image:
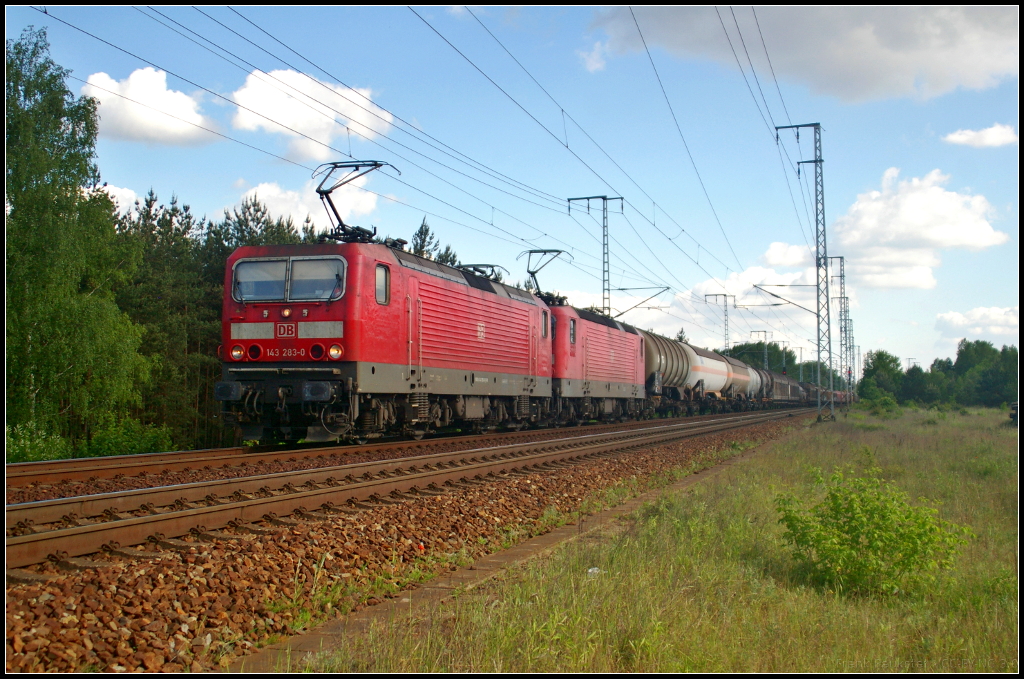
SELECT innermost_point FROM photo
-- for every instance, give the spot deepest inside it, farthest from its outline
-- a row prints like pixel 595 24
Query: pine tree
pixel 424 243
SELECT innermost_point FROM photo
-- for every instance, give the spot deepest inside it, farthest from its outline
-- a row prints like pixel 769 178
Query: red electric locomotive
pixel 598 366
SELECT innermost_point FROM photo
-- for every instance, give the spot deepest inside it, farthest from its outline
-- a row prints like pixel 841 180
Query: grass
pixel 704 582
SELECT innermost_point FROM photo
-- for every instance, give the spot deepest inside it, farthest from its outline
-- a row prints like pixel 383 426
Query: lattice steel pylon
pixel 726 314
pixel 821 264
pixel 606 286
pixel 844 326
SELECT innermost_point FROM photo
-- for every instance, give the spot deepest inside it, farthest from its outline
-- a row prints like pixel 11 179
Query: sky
pixel 491 118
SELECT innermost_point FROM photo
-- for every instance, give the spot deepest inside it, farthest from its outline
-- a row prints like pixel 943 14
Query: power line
pixel 753 71
pixel 770 128
pixel 580 127
pixel 417 132
pixel 685 145
pixel 555 137
pixel 493 207
pixel 772 68
pixel 389 198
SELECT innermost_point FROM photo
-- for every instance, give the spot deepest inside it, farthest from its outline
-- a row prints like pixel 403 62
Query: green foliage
pixel 681 335
pixel 126 436
pixel 425 244
pixel 447 256
pixel 71 352
pixel 885 370
pixel 865 536
pixel 29 442
pixel 885 407
pixel 981 375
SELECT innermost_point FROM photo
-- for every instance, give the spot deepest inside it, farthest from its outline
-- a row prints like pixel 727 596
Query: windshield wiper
pixel 238 289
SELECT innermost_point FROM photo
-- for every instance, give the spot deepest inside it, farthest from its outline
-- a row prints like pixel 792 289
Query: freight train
pixel 353 338
pixel 356 340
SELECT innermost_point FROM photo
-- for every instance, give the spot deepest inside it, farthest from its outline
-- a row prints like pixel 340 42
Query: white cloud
pixel 980 322
pixel 891 237
pixel 124 119
pixel 308 107
pixel 594 60
pixel 854 53
pixel 997 135
pixel 784 254
pixel 350 201
pixel 123 198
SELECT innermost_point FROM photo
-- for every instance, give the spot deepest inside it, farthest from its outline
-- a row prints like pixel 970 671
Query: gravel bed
pixel 200 610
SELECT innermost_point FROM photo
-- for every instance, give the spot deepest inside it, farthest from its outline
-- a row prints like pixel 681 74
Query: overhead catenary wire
pixel 575 122
pixel 539 231
pixel 389 198
pixel 516 237
pixel 323 85
pixel 548 130
pixel 416 131
pixel 681 136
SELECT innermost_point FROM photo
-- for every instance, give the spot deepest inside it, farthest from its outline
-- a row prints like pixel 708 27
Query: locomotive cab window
pixel 317 279
pixel 260 280
pixel 572 331
pixel 383 284
pixel 544 324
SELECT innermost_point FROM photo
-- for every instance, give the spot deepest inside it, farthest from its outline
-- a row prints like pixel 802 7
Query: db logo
pixel 480 331
pixel 284 330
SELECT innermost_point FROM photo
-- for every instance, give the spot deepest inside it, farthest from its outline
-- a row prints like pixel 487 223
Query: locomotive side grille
pixel 609 356
pixel 490 333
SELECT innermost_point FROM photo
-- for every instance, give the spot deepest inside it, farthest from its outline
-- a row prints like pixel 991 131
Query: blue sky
pixel 919 108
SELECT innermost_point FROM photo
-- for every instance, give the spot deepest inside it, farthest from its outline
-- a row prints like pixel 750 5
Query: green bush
pixel 31 443
pixel 865 536
pixel 127 436
pixel 886 407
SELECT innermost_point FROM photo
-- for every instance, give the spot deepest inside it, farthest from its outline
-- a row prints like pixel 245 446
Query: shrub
pixel 31 443
pixel 886 408
pixel 865 536
pixel 127 436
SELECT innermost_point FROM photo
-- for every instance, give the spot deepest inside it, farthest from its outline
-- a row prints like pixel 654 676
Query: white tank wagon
pixel 743 382
pixel 739 379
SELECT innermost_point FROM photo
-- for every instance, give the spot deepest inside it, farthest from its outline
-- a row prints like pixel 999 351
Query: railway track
pixel 86 469
pixel 62 529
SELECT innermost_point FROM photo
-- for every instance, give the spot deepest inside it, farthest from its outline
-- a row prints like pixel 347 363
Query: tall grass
pixel 704 581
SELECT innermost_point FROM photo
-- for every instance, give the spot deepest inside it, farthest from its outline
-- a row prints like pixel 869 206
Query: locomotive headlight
pixel 237 352
pixel 335 352
pixel 286 312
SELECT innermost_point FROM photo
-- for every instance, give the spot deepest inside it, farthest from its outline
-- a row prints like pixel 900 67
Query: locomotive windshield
pixel 297 279
pixel 317 279
pixel 260 280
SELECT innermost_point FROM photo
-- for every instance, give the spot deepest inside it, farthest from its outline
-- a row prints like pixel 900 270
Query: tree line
pixel 980 375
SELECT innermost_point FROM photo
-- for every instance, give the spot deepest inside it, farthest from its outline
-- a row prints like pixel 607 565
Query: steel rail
pixel 23 550
pixel 55 510
pixel 25 473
